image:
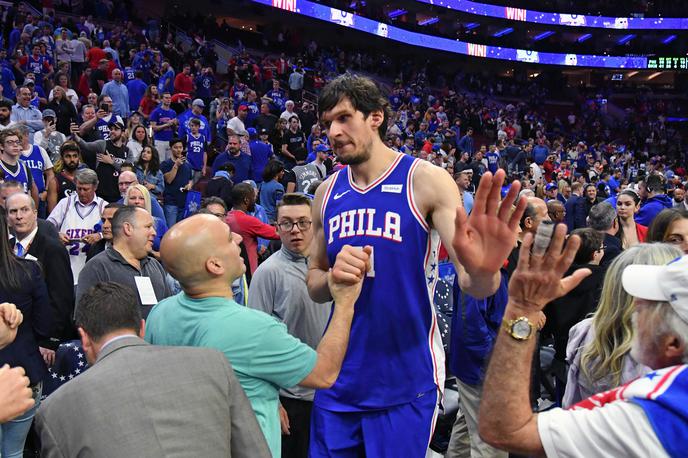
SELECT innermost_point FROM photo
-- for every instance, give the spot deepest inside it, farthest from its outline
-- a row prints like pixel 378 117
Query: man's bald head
pixel 536 211
pixel 125 180
pixel 201 252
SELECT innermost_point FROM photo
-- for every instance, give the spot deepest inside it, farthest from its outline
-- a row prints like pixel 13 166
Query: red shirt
pixel 183 83
pixel 250 228
pixel 94 56
pixel 641 232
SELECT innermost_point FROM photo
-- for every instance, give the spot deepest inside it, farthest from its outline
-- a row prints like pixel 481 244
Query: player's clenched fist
pixel 351 264
pixel 15 394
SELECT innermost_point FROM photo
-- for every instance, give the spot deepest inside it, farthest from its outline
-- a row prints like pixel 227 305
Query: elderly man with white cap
pixel 647 417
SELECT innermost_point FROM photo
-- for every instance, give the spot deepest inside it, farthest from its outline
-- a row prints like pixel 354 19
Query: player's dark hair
pixel 107 307
pixel 365 96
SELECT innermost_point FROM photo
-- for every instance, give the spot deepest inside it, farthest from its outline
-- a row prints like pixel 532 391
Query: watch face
pixel 521 329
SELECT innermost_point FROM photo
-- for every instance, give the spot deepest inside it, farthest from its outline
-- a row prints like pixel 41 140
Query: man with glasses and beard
pixel 109 155
pixel 62 185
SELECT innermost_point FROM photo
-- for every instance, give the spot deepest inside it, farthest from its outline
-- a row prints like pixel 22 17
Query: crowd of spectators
pixel 111 135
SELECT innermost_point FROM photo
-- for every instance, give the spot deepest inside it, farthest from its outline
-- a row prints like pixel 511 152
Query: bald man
pixel 125 180
pixel 264 356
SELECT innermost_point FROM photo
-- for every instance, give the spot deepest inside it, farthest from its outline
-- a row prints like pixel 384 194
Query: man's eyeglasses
pixel 287 226
pixel 13 142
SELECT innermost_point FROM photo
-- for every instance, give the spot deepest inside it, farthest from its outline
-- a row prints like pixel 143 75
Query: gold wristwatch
pixel 520 329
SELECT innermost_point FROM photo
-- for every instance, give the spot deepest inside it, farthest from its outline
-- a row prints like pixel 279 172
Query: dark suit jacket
pixel 31 298
pixel 145 401
pixel 613 248
pixel 57 273
pixel 575 212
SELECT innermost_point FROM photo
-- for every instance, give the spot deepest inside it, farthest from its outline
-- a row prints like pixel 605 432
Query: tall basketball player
pixel 381 218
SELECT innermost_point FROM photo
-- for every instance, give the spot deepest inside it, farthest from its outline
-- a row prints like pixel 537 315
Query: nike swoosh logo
pixel 337 196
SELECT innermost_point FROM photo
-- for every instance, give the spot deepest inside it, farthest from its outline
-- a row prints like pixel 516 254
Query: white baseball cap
pixel 667 283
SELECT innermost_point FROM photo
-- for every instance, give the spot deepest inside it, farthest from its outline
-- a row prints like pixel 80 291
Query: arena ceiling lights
pixel 563 19
pixel 350 20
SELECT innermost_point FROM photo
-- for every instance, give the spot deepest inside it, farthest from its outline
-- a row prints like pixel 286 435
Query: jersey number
pixel 75 248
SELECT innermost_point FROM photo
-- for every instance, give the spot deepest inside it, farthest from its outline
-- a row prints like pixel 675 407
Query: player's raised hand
pixel 483 240
pixel 351 264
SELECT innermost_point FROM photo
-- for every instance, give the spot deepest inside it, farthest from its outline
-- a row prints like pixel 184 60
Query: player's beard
pixel 359 156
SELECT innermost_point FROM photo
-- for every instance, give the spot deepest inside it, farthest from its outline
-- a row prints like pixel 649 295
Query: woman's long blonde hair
pixel 612 324
pixel 146 195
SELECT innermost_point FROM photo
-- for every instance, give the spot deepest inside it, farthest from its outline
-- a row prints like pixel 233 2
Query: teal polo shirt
pixel 264 356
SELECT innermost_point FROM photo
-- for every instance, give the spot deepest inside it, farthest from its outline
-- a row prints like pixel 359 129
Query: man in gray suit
pixel 143 400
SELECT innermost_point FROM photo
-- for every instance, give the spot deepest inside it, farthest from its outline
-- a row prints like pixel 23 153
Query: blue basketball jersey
pixel 20 175
pixel 103 129
pixel 35 163
pixel 195 147
pixel 395 351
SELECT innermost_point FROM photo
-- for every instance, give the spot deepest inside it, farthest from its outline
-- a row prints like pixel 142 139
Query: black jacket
pixel 612 249
pixel 57 274
pixel 32 300
pixel 572 308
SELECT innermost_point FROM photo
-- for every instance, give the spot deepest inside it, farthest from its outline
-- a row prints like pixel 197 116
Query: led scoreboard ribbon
pixel 381 29
pixel 564 19
pixel 668 63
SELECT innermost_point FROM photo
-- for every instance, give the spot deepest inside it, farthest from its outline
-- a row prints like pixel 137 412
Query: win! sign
pixel 477 50
pixel 515 14
pixel 289 5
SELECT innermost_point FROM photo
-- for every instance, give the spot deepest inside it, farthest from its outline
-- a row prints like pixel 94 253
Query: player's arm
pixel 332 348
pixel 318 265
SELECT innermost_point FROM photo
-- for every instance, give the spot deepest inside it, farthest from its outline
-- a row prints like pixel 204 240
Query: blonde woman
pixel 138 196
pixel 598 351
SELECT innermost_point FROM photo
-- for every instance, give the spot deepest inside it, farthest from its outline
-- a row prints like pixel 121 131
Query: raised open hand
pixel 538 279
pixel 483 240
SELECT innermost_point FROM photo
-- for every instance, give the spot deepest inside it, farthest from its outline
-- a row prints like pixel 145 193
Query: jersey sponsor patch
pixel 395 188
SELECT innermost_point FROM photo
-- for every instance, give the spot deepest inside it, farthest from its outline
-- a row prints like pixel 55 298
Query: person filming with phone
pixel 178 176
pixel 109 156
